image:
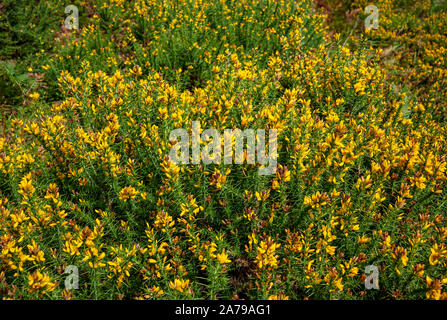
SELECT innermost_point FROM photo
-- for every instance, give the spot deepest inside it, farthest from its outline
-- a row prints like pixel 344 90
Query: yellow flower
pixel 266 254
pixel 330 250
pixel 128 193
pixel 34 95
pixel 404 259
pixel 39 282
pixel 280 296
pixel 26 186
pixel 179 284
pixel 223 257
pixel 363 239
pixel 338 283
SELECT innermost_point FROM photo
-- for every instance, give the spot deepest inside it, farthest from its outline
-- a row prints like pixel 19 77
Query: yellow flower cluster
pixel 86 180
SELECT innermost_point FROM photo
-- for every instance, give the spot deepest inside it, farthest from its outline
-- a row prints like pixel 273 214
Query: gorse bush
pixel 86 179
